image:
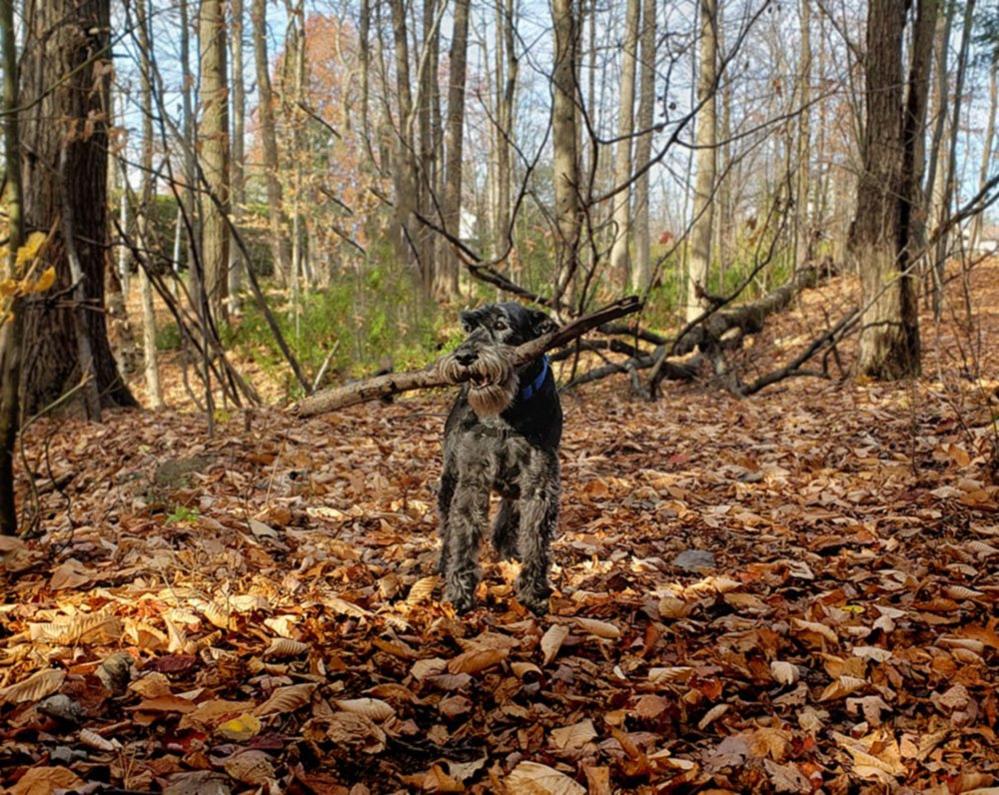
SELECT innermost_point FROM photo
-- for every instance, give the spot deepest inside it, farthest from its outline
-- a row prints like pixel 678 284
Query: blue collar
pixel 534 387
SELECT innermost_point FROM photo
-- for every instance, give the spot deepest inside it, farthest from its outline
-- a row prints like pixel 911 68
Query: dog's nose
pixel 465 358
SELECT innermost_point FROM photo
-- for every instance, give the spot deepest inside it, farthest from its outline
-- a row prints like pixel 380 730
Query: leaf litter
pixel 790 593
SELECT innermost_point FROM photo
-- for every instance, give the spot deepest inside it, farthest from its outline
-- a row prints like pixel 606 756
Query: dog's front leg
pixel 466 521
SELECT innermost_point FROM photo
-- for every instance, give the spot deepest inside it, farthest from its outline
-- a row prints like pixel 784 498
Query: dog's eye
pixel 500 325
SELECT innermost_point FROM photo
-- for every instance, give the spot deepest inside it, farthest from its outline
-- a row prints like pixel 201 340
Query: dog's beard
pixel 492 381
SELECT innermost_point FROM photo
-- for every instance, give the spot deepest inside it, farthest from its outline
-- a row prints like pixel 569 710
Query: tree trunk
pixel 700 235
pixel 148 201
pixel 950 165
pixel 935 172
pixel 620 261
pixel 565 144
pixel 213 135
pixel 406 180
pixel 11 331
pixel 446 280
pixel 65 92
pixel 803 226
pixel 238 173
pixel 889 337
pixel 987 145
pixel 507 67
pixel 268 139
pixel 642 271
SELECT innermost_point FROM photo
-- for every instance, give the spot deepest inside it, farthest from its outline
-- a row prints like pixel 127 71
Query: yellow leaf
pixel 239 729
pixel 29 250
pixel 8 287
pixel 45 281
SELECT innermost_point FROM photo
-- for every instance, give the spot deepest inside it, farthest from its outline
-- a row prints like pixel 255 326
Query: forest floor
pixel 791 593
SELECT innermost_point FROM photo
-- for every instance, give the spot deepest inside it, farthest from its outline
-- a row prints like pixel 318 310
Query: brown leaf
pixel 45 781
pixel 36 687
pixel 373 708
pixel 533 778
pixel 575 736
pixel 286 699
pixel 250 767
pixel 471 662
pixel 552 641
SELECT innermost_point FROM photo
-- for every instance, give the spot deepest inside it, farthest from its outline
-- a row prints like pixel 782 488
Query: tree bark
pixel 213 135
pixel 148 200
pixel 565 144
pixel 238 172
pixel 889 337
pixel 65 78
pixel 11 331
pixel 987 146
pixel 280 247
pixel 642 271
pixel 405 171
pixel 700 234
pixel 446 278
pixel 620 260
pixel 507 68
pixel 803 226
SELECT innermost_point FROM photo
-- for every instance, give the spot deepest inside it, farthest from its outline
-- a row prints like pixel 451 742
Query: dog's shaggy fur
pixel 502 435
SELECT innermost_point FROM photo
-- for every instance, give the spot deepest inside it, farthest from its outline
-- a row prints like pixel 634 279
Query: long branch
pixel 428 378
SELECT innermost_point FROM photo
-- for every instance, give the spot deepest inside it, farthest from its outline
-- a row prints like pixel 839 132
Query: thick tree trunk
pixel 889 337
pixel 268 139
pixel 700 234
pixel 507 68
pixel 642 271
pixel 65 92
pixel 148 200
pixel 938 118
pixel 213 135
pixel 565 144
pixel 446 278
pixel 620 260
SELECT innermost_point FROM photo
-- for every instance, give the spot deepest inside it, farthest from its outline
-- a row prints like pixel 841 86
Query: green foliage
pixel 182 515
pixel 368 321
pixel 168 337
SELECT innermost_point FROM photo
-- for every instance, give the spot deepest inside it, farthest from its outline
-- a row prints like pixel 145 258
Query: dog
pixel 502 435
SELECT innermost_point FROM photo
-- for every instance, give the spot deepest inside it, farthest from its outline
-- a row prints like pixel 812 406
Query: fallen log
pixel 394 383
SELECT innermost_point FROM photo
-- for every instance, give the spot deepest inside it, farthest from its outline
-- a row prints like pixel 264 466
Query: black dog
pixel 502 435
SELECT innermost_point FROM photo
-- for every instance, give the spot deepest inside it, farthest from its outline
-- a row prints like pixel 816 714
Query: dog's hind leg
pixel 505 529
pixel 538 520
pixel 467 518
pixel 444 496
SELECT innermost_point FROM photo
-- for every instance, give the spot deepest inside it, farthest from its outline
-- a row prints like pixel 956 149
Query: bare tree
pixel 446 277
pixel 707 136
pixel 643 146
pixel 565 143
pixel 238 164
pixel 268 141
pixel 213 134
pixel 147 210
pixel 620 260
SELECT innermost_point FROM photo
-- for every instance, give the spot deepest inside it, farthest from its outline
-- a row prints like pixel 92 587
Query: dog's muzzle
pixel 492 379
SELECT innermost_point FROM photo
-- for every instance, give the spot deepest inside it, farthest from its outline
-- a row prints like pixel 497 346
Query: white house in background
pixel 988 240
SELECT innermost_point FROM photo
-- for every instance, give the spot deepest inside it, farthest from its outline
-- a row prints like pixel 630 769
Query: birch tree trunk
pixel 700 235
pixel 148 199
pixel 620 260
pixel 446 278
pixel 213 136
pixel 642 271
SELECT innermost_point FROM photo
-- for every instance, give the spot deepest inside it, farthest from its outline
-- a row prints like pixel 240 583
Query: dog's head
pixel 483 359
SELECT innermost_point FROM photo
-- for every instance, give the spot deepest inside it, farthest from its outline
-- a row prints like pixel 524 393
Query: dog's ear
pixel 470 320
pixel 541 323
